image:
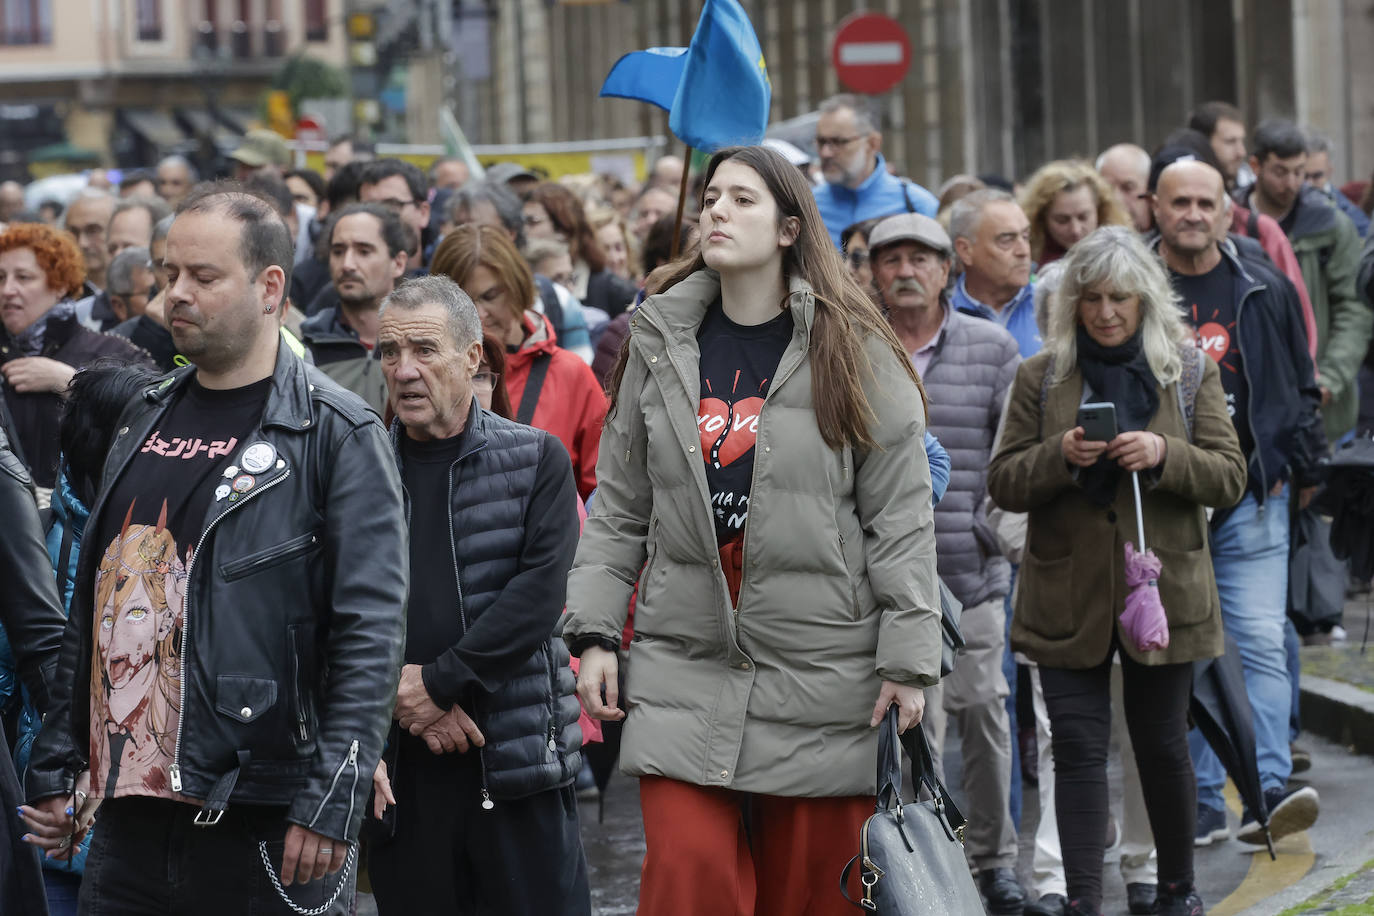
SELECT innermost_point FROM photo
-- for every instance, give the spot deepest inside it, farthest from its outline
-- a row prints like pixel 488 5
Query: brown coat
pixel 1072 583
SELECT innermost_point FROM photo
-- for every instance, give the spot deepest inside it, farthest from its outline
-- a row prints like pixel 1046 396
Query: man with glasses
pixel 143 315
pixel 857 184
pixel 403 189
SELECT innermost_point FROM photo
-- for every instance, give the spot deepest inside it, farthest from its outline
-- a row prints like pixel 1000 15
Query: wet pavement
pixel 1232 877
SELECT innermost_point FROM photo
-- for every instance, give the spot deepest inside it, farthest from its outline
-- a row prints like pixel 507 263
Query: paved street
pixel 1231 876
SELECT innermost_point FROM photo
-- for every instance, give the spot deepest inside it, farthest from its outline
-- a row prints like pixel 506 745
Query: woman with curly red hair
pixel 44 343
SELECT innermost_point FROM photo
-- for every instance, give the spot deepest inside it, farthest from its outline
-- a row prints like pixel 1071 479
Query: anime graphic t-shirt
pixel 149 529
pixel 737 366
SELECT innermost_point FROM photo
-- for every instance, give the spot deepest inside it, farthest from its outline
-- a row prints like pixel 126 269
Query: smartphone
pixel 1098 421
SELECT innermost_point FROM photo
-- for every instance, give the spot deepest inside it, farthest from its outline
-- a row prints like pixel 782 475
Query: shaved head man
pixel 1126 167
pixel 1272 398
pixel 11 200
pixel 175 175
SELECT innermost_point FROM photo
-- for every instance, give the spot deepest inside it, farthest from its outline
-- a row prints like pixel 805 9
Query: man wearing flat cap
pixel 967 364
pixel 262 152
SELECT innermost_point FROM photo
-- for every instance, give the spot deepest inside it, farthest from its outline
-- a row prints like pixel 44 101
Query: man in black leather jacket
pixel 482 763
pixel 32 618
pixel 228 670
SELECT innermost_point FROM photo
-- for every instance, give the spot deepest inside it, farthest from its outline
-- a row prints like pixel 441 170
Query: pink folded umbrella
pixel 1144 619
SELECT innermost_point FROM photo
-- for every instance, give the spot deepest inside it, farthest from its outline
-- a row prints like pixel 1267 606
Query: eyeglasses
pixel 857 258
pixel 836 142
pixel 392 203
pixel 485 380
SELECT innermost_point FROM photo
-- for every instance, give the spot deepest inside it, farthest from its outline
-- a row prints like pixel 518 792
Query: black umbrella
pixel 1220 708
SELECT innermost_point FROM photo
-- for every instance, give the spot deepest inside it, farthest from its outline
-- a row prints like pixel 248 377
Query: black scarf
pixel 1122 376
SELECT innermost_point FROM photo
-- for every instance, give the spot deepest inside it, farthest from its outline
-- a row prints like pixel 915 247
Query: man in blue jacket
pixel 857 185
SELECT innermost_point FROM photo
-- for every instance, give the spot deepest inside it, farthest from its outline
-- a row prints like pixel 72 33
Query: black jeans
pixel 449 856
pixel 1156 703
pixel 147 857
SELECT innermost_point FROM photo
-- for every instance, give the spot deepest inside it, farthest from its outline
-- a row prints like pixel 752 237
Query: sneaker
pixel 1290 811
pixel 1211 826
pixel 1079 908
pixel 1177 898
pixel 1142 898
pixel 586 784
pixel 1301 757
pixel 1002 891
pixel 1048 905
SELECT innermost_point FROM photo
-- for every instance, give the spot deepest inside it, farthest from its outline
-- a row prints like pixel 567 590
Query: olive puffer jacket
pixel 839 585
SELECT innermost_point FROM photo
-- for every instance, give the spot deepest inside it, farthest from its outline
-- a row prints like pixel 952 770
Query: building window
pixel 25 22
pixel 316 20
pixel 149 19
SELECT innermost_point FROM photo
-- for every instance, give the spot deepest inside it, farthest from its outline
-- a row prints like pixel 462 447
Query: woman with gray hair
pixel 1116 335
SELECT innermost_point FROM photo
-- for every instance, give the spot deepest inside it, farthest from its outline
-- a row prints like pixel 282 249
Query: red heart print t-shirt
pixel 738 363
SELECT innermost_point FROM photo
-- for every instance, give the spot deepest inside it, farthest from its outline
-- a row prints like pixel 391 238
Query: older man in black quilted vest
pixel 967 364
pixel 480 766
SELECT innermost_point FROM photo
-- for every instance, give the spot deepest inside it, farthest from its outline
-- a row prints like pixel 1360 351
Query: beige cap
pixel 911 227
pixel 262 147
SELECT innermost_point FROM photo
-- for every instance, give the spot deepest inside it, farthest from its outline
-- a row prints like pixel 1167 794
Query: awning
pixel 200 122
pixel 240 119
pixel 155 126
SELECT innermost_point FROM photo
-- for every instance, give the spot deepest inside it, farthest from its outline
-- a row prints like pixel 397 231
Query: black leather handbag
pixel 911 857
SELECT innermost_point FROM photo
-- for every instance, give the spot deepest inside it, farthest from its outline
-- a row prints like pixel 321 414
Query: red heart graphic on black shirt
pixel 727 431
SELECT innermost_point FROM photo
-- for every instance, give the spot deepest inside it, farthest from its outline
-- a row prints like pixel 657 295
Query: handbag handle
pixel 890 745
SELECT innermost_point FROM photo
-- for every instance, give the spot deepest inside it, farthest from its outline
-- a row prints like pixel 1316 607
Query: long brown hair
pixel 471 246
pixel 570 218
pixel 494 355
pixel 845 315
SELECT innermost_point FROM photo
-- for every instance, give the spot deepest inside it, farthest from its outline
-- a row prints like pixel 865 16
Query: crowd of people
pixel 415 500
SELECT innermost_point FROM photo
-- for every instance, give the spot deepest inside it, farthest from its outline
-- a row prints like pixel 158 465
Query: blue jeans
pixel 1250 557
pixel 1290 644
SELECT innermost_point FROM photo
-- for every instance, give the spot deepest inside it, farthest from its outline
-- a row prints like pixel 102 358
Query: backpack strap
pixel 1188 383
pixel 553 309
pixel 906 195
pixel 529 398
pixel 1045 392
pixel 1252 224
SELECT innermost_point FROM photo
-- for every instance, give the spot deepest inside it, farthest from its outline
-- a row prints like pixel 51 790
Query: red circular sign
pixel 871 52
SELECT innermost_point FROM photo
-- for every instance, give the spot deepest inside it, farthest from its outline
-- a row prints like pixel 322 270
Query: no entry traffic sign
pixel 871 52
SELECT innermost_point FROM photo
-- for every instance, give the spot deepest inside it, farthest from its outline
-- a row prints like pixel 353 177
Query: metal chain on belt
pixel 333 898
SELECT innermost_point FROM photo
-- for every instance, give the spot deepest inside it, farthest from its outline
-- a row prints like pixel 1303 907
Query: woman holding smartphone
pixel 1117 336
pixel 759 383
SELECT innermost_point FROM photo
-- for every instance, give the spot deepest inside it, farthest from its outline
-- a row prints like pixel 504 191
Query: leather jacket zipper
pixel 351 760
pixel 174 771
pixel 300 688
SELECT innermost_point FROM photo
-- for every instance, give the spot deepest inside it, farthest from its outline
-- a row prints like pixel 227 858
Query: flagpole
pixel 681 203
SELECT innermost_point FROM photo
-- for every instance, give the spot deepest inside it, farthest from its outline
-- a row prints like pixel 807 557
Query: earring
pixel 268 310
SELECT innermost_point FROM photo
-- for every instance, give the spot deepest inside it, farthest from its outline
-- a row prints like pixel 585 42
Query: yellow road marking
pixel 1265 877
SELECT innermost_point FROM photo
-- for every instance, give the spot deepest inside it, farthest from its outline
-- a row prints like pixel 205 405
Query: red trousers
pixel 700 860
